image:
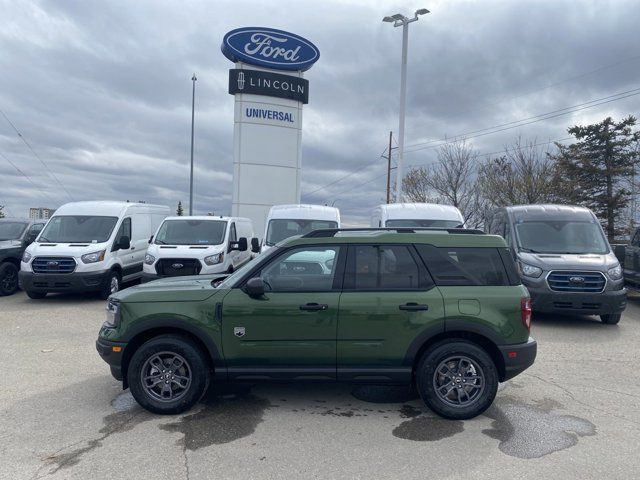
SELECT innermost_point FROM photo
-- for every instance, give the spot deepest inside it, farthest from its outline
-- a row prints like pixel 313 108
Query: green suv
pixel 442 308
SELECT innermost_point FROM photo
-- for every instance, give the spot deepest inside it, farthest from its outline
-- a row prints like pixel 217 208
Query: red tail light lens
pixel 526 312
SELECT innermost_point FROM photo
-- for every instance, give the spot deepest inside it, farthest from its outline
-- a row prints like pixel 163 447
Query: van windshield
pixel 423 223
pixel 11 230
pixel 78 229
pixel 281 229
pixel 560 236
pixel 191 232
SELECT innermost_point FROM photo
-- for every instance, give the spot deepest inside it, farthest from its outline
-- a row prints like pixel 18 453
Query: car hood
pixel 75 250
pixel 4 244
pixel 174 289
pixel 552 261
pixel 185 251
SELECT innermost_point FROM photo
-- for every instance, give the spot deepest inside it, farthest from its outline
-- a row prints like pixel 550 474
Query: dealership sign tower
pixel 270 91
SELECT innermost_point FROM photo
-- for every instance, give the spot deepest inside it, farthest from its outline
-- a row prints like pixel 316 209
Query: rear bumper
pixel 607 302
pixel 63 282
pixel 517 358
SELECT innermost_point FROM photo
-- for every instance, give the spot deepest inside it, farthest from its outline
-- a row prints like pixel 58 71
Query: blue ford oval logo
pixel 177 266
pixel 271 48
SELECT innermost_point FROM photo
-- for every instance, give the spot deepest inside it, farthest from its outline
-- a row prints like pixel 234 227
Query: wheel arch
pixel 166 327
pixel 415 354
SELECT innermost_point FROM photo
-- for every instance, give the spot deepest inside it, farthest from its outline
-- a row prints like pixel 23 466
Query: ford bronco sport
pixel 442 308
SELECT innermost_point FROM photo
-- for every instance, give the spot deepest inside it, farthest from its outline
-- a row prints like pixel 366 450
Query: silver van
pixel 564 259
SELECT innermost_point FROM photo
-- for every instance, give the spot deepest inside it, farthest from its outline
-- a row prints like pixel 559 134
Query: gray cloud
pixel 102 92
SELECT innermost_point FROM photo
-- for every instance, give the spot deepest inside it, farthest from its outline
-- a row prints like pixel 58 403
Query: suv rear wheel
pixel 168 374
pixel 8 279
pixel 457 379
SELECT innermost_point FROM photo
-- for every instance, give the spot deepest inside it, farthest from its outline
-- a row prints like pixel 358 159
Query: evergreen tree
pixel 597 169
pixel 180 211
pixel 1 211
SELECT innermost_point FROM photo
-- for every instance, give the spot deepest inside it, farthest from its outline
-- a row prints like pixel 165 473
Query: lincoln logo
pixel 576 280
pixel 177 266
pixel 241 81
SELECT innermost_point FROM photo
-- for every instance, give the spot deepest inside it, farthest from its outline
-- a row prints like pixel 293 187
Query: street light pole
pixel 193 103
pixel 400 20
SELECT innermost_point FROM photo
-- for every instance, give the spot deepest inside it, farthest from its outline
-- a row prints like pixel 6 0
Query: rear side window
pixel 451 266
pixel 383 267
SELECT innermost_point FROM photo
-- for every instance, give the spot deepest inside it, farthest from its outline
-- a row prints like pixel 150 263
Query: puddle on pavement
pixel 424 428
pixel 226 416
pixel 533 431
pixel 384 394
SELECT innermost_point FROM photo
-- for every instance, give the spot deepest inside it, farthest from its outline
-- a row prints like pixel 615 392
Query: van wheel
pixel 168 374
pixel 36 295
pixel 611 319
pixel 112 285
pixel 457 379
pixel 8 279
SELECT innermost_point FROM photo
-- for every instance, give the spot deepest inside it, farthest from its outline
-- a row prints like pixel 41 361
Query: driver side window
pixel 304 269
pixel 124 230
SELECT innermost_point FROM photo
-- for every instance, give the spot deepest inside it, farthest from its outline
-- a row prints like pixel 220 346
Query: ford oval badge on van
pixel 270 48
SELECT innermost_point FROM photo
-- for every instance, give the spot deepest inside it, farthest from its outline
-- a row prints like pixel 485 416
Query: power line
pixel 565 110
pixel 555 84
pixel 549 117
pixel 35 154
pixel 26 176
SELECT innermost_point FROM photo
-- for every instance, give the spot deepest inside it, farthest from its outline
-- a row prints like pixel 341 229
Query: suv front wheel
pixel 457 379
pixel 168 374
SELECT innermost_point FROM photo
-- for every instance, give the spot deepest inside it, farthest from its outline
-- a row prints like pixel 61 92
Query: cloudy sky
pixel 101 90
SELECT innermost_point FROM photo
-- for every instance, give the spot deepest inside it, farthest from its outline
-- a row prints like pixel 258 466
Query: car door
pixel 388 302
pixel 289 332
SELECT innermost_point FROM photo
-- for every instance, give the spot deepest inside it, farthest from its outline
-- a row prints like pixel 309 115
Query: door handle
pixel 133 247
pixel 413 307
pixel 312 307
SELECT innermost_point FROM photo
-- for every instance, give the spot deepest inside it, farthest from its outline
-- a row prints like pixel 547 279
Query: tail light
pixel 526 312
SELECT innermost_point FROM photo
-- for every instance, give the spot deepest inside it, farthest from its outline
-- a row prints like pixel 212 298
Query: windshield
pixel 78 229
pixel 232 279
pixel 424 223
pixel 191 232
pixel 561 237
pixel 12 230
pixel 282 229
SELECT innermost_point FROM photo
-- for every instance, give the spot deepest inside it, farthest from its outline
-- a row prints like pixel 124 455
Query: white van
pixel 90 246
pixel 286 221
pixel 416 215
pixel 198 245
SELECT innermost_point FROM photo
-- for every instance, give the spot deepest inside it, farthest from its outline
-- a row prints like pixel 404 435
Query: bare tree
pixel 524 174
pixel 451 180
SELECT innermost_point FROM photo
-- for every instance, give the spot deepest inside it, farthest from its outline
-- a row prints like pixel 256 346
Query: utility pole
pixel 389 169
pixel 193 103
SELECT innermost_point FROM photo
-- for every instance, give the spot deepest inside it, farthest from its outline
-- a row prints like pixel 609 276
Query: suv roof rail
pixel 331 232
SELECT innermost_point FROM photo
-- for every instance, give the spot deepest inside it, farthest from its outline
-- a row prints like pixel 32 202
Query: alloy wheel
pixel 458 381
pixel 166 376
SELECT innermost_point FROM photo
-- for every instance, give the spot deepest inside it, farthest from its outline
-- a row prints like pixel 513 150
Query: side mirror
pixel 29 239
pixel 254 287
pixel 124 243
pixel 255 245
pixel 150 239
pixel 240 245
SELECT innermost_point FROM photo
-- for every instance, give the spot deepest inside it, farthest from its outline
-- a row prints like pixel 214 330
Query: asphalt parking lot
pixel 574 414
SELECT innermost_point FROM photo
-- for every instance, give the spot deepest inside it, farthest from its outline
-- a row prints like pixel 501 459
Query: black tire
pixel 36 295
pixel 230 269
pixel 479 388
pixel 165 347
pixel 611 319
pixel 8 279
pixel 108 287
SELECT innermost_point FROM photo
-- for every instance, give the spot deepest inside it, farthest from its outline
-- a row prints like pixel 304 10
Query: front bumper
pixel 111 352
pixel 605 303
pixel 63 282
pixel 517 358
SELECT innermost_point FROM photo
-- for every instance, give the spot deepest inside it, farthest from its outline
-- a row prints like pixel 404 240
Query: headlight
pixel 113 313
pixel 530 270
pixel 214 259
pixel 26 257
pixel 93 257
pixel 615 273
pixel 149 259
